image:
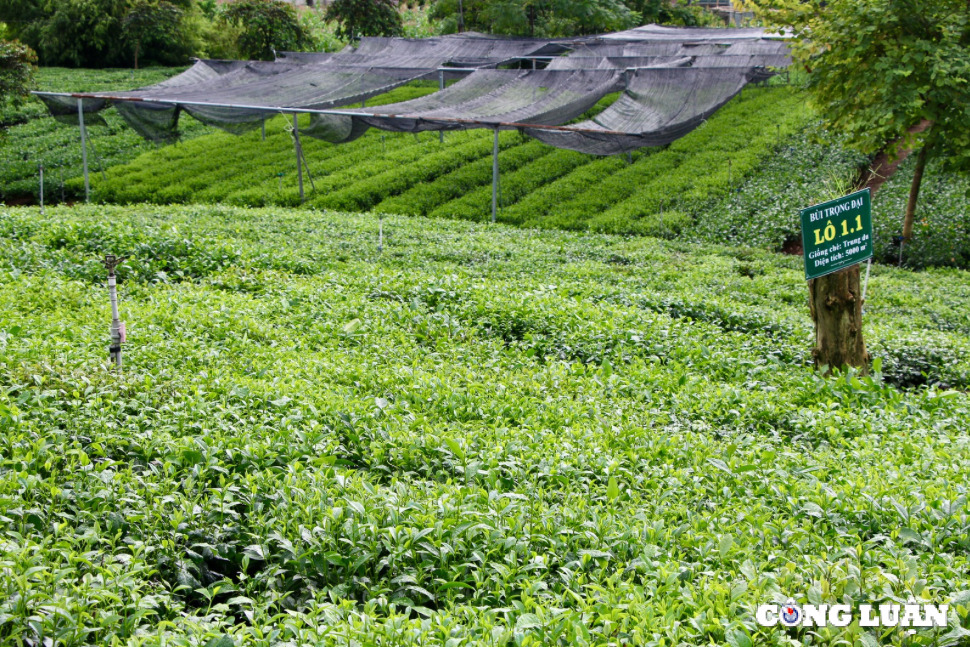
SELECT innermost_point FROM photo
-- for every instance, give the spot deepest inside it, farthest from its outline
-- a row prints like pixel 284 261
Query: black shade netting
pixel 457 50
pixel 626 49
pixel 659 106
pixel 663 33
pixel 64 109
pixel 616 62
pixel 238 96
pixel 490 98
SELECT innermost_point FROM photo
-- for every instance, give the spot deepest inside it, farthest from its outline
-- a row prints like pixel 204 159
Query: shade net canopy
pixel 673 49
pixel 238 95
pixel 672 79
pixel 485 99
pixel 658 106
pixel 663 33
pixel 457 50
pixel 616 62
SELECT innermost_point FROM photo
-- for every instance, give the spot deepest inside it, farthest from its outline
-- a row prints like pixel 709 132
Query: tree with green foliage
pixel 542 18
pixel 17 64
pixel 881 68
pixel 885 74
pixel 93 33
pixel 356 18
pixel 265 26
pixel 151 20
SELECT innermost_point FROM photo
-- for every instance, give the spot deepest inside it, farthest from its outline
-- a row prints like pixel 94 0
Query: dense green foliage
pixel 560 17
pixel 891 74
pixel 942 228
pixel 356 18
pixel 264 27
pixel 149 21
pixel 764 210
pixel 880 67
pixel 16 72
pixel 92 33
pixel 485 435
pixel 35 138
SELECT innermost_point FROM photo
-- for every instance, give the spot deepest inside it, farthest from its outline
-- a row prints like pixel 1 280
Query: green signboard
pixel 837 234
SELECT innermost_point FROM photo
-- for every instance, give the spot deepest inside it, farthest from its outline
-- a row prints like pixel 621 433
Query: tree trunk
pixel 835 301
pixel 910 216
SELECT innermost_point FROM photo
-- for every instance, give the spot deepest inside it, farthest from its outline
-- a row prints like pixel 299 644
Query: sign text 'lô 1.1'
pixel 837 234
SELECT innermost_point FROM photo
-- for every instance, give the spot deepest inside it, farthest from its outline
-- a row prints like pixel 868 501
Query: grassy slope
pixel 33 137
pixel 523 437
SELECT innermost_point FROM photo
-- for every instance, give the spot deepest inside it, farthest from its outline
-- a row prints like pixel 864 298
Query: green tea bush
pixel 481 435
pixel 34 138
pixel 764 210
pixel 941 236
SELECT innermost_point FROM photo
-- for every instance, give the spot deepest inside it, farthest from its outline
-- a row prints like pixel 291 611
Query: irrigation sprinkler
pixel 383 146
pixel 117 326
pixel 280 176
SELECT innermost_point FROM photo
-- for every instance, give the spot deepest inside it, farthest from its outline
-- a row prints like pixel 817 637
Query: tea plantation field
pixel 482 435
pixel 31 137
pixel 659 193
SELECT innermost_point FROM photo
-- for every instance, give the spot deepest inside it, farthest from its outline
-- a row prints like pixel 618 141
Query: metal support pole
pixel 84 149
pixel 117 326
pixel 495 175
pixel 42 189
pixel 441 86
pixel 380 234
pixel 264 130
pixel 306 167
pixel 299 155
pixel 865 285
pixel 629 157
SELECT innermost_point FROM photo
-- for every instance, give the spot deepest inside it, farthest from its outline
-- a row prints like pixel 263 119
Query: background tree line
pixel 132 33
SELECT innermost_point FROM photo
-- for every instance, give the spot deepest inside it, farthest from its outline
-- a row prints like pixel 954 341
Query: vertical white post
pixel 495 175
pixel 42 189
pixel 299 156
pixel 117 327
pixel 84 149
pixel 441 86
